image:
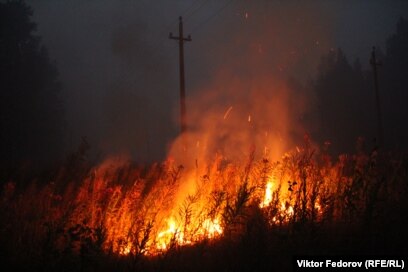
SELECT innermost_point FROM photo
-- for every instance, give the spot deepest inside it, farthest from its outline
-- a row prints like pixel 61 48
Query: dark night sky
pixel 120 71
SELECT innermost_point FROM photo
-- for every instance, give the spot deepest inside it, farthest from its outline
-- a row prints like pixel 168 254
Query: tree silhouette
pixel 31 112
pixel 393 83
pixel 344 102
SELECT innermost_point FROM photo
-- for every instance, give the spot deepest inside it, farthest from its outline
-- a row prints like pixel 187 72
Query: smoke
pixel 115 79
pixel 249 103
pixel 120 71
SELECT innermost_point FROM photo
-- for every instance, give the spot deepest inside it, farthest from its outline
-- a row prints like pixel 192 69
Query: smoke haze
pixel 120 71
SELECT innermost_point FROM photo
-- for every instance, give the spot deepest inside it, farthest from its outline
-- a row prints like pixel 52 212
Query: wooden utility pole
pixel 181 40
pixel 375 63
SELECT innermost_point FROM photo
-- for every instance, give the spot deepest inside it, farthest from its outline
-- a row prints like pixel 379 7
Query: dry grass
pixel 120 215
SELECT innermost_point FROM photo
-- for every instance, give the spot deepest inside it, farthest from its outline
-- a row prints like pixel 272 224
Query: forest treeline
pixel 346 105
pixel 31 109
pixel 32 120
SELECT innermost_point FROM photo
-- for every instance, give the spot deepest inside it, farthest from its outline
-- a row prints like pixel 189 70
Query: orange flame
pixel 268 195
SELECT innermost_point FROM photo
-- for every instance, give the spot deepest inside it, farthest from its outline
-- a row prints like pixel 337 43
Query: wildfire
pixel 165 237
pixel 171 206
pixel 174 235
pixel 268 195
pixel 178 210
pixel 126 249
pixel 212 228
pixel 166 208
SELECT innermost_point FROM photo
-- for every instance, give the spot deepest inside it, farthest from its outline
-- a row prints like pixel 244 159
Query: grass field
pixel 222 216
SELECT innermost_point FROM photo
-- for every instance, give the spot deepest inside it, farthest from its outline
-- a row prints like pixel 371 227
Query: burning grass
pixel 123 211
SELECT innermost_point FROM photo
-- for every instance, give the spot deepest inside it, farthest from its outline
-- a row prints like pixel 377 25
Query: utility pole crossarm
pixel 188 39
pixel 181 39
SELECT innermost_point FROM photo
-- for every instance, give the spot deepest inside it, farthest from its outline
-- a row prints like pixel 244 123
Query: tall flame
pixel 268 195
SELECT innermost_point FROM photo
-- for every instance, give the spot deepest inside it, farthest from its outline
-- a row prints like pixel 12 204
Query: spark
pixel 227 112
